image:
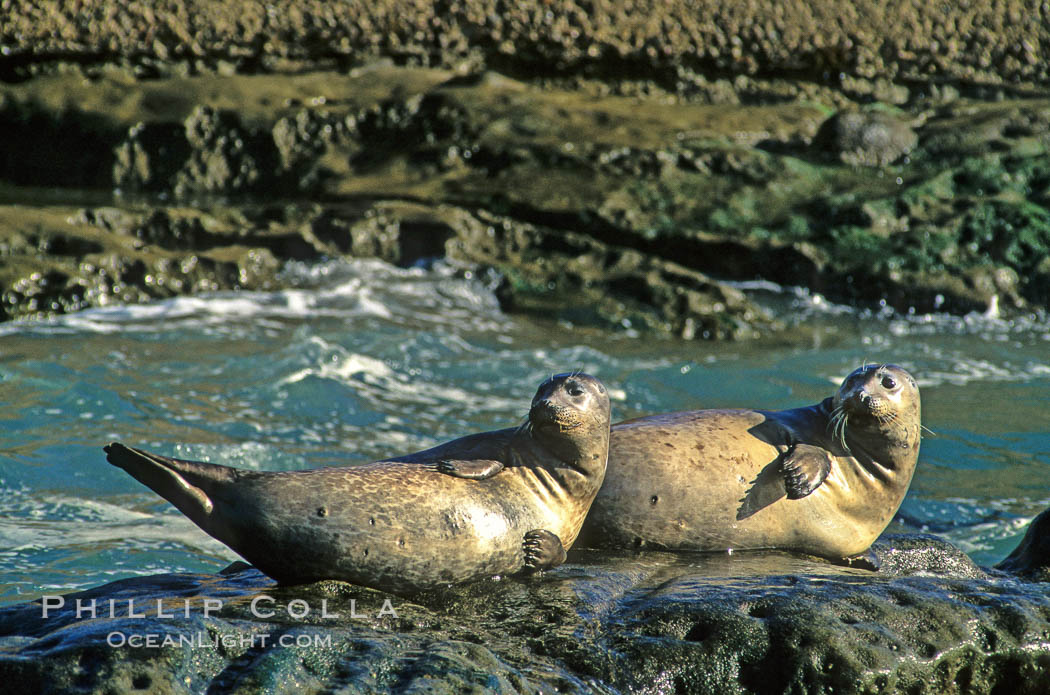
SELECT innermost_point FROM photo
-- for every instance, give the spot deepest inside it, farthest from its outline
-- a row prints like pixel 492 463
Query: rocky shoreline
pixel 930 621
pixel 618 168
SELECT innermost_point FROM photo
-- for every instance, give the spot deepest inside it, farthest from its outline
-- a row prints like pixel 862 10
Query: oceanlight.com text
pixel 201 638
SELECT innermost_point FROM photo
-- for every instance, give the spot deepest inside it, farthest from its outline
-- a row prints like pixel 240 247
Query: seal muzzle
pixel 544 412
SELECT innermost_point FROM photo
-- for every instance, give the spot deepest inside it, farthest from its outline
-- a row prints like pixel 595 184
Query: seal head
pixel 875 416
pixel 567 417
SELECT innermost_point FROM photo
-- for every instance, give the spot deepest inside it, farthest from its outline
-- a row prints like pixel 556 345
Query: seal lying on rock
pixel 825 479
pixel 487 504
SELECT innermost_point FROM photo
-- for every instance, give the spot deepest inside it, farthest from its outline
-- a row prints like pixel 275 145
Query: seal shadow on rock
pixel 823 479
pixel 494 503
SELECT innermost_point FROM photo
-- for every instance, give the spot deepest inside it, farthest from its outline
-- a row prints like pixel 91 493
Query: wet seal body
pixel 824 479
pixel 487 504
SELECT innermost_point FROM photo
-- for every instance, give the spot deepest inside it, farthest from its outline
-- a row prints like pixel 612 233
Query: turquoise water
pixel 362 361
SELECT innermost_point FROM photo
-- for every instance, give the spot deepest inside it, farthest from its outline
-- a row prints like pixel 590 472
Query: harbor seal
pixel 495 503
pixel 824 479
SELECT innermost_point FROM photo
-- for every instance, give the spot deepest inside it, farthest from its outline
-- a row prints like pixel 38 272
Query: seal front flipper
pixel 805 467
pixel 543 551
pixel 471 470
pixel 796 473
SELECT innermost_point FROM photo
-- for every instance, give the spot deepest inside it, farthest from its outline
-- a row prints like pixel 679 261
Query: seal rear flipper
pixel 805 467
pixel 183 483
pixel 478 469
pixel 543 551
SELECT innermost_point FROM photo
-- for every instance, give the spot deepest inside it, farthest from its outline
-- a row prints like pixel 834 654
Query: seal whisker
pixel 525 428
pixel 832 417
pixel 839 420
pixel 891 419
pixel 883 418
pixel 833 422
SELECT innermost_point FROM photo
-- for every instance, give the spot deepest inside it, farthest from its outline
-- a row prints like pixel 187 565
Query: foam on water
pixel 54 542
pixel 986 529
pixel 334 289
pixel 51 535
pixel 341 366
pixel 799 305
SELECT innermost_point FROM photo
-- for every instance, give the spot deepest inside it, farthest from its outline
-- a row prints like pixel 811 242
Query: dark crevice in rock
pixel 47 148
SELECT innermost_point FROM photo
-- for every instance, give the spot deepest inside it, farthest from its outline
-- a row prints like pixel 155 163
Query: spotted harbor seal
pixel 825 479
pixel 487 504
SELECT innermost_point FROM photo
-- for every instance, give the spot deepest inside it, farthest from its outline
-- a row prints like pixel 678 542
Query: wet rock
pixel 572 277
pixel 867 138
pixel 182 233
pixel 55 147
pixel 406 234
pixel 102 256
pixel 1031 559
pixel 639 208
pixel 608 622
pixel 309 141
pixel 224 156
pixel 212 151
pixel 150 157
pixel 923 554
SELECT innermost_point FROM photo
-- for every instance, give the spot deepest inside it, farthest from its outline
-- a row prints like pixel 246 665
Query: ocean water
pixel 361 361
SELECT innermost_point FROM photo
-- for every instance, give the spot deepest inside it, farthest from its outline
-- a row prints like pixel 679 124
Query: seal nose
pixel 858 400
pixel 542 411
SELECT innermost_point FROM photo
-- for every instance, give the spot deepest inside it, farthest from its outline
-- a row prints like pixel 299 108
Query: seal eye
pixel 573 388
pixel 888 382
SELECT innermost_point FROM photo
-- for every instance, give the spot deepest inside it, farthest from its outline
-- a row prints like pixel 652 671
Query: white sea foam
pixel 250 455
pixel 48 535
pixel 341 365
pixel 799 304
pixel 66 507
pixel 983 537
pixel 374 379
pixel 336 289
pixel 962 370
pixel 51 522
